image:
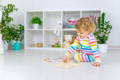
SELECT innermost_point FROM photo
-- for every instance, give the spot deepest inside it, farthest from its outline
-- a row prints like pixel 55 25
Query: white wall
pixel 109 6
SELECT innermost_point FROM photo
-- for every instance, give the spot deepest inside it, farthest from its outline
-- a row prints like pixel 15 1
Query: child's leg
pixel 83 58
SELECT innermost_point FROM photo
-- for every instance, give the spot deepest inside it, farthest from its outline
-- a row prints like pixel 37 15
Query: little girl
pixel 84 42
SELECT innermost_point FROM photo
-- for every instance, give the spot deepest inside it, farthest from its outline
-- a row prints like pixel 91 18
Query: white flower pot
pixel 103 48
pixel 35 26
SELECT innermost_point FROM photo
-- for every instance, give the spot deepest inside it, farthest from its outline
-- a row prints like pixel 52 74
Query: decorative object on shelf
pixel 57 40
pixel 39 44
pixel 36 21
pixel 57 31
pixel 59 23
pixel 57 43
pixel 68 37
pixel 70 23
pixel 32 45
pixel 67 41
pixel 102 33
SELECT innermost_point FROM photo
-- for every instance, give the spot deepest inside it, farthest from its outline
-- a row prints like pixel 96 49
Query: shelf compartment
pixel 70 15
pixel 35 39
pixel 67 37
pixel 52 20
pixel 67 33
pixel 50 39
pixel 30 15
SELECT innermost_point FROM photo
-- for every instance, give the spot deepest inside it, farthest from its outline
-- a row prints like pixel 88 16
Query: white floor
pixel 27 65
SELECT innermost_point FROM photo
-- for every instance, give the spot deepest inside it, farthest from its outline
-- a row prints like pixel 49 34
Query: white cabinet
pixel 53 28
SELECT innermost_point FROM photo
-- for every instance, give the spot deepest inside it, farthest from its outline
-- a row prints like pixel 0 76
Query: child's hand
pixel 65 59
pixel 96 64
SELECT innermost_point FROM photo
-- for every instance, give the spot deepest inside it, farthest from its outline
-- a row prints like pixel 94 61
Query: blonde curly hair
pixel 86 24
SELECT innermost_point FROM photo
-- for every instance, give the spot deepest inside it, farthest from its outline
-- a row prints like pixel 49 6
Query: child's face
pixel 82 33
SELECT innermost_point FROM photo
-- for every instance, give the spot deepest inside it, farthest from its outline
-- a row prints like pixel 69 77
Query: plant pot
pixel 16 45
pixel 35 26
pixel 103 48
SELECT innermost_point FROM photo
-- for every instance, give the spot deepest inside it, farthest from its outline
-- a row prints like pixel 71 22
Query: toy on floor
pixel 47 60
pixel 69 65
pixel 57 62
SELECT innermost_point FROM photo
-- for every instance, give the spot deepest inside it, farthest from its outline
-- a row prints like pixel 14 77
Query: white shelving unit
pixel 45 36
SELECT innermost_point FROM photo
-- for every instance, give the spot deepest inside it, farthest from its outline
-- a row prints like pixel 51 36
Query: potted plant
pixel 5 22
pixel 36 22
pixel 6 33
pixel 102 33
pixel 17 36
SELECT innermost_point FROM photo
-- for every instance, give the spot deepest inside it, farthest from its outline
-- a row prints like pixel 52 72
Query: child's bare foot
pixel 96 64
